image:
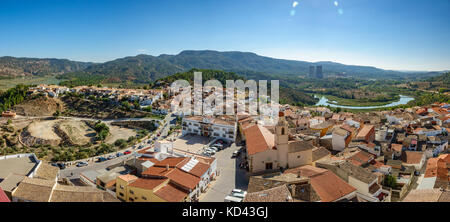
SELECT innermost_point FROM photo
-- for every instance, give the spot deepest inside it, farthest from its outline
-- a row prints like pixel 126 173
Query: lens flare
pixel 341 11
pixel 294 4
pixel 292 12
pixel 336 3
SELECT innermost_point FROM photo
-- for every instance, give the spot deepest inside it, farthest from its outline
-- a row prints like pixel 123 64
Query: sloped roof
pixel 365 131
pixel 33 189
pixel 427 195
pixel 64 193
pixel 412 157
pixel 258 139
pixel 148 184
pixel 171 193
pixel 47 172
pixel 184 179
pixel 276 194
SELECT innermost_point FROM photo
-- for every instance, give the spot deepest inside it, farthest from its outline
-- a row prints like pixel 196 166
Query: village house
pixel 223 127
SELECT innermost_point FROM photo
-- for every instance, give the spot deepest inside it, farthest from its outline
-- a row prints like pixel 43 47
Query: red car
pixel 127 152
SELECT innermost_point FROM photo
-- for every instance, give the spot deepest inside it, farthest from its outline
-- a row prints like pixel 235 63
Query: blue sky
pixel 390 34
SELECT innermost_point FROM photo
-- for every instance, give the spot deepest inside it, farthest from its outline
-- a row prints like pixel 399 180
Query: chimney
pixel 167 167
pixel 299 174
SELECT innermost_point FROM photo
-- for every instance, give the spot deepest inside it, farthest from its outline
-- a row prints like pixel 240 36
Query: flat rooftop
pixel 21 166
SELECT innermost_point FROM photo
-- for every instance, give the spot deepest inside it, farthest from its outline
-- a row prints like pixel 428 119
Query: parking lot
pixel 230 176
pixel 191 144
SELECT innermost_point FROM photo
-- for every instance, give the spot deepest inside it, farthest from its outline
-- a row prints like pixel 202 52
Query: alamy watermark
pixel 241 97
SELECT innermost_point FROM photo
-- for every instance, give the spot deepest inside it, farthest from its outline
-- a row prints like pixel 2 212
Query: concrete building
pixel 223 127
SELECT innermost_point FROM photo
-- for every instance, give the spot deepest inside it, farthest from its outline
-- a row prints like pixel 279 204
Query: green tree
pixel 390 181
pixel 121 143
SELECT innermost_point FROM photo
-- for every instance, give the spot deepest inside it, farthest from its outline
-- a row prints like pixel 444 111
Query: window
pixel 298 157
pixel 282 131
pixel 131 199
pixel 121 187
pixel 121 194
pixel 269 166
pixel 132 192
pixel 144 198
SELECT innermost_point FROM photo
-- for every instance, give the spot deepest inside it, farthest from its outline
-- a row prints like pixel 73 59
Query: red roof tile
pixel 3 197
pixel 199 169
pixel 148 184
pixel 258 139
pixel 171 193
pixel 184 179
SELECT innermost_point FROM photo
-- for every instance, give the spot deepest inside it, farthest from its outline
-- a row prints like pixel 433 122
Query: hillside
pixel 287 95
pixel 147 68
pixel 13 67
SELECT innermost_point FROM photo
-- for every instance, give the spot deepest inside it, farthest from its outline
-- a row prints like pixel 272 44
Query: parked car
pixel 210 150
pixel 61 165
pixel 140 147
pixel 55 164
pixel 101 159
pixel 218 145
pixel 214 148
pixel 110 157
pixel 127 152
pixel 119 154
pixel 233 199
pixel 235 154
pixel 82 164
pixel 238 193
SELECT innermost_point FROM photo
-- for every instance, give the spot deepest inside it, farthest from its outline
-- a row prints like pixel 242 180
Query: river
pixel 325 102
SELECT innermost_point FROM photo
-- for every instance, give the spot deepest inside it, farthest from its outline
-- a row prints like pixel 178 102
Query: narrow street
pixel 230 176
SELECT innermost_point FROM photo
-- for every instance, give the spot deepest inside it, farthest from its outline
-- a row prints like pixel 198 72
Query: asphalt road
pixel 230 176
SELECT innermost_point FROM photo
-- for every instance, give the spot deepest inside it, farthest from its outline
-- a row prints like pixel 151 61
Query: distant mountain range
pixel 13 67
pixel 146 68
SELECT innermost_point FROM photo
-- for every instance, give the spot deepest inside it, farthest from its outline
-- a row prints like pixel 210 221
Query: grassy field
pixel 6 83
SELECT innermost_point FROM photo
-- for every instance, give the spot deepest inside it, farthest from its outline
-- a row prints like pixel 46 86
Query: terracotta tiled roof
pixel 184 179
pixel 128 177
pixel 361 158
pixel 173 161
pixel 325 183
pixel 365 131
pixel 330 187
pixel 156 171
pixel 148 184
pixel 199 169
pixel 258 139
pixel 411 157
pixel 445 157
pixel 436 168
pixel 171 193
pixel 397 147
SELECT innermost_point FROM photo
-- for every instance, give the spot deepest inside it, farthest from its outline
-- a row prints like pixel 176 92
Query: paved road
pixel 67 173
pixel 230 176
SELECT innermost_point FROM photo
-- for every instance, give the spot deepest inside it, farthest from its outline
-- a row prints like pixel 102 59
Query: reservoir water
pixel 325 102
